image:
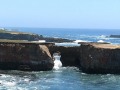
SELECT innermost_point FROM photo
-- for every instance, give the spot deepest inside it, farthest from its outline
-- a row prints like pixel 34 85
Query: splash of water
pixel 57 62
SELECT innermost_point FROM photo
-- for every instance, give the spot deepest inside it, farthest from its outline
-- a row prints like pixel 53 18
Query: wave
pixel 101 41
pixel 67 44
pixel 77 41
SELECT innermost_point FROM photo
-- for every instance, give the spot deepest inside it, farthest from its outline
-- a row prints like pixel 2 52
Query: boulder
pixel 25 56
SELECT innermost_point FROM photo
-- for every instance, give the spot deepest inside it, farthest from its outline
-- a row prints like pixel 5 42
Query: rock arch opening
pixel 57 61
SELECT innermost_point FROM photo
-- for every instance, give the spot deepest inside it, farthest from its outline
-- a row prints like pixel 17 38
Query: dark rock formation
pixel 56 40
pixel 100 58
pixel 25 56
pixel 114 36
pixel 17 36
pixel 70 56
pixel 13 35
pixel 31 37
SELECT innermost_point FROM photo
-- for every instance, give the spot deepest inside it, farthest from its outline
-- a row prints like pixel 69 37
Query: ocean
pixel 65 78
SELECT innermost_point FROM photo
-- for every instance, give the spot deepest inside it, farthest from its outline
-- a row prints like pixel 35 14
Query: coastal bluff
pixel 16 35
pixel 96 58
pixel 90 57
pixel 100 58
pixel 25 56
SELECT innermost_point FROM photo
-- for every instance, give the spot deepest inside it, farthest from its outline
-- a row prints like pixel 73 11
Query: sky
pixel 100 14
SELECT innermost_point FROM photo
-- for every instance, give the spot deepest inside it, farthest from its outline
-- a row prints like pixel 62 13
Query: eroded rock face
pixel 100 58
pixel 11 35
pixel 17 36
pixel 70 56
pixel 25 57
pixel 58 40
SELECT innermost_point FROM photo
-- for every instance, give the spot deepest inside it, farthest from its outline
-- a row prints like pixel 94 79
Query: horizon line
pixel 58 28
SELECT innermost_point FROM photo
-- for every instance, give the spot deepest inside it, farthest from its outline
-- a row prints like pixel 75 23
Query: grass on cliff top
pixel 13 41
pixel 2 31
pixel 22 41
pixel 14 32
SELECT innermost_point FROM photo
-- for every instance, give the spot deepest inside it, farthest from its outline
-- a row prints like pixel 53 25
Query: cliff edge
pixel 100 58
pixel 15 35
pixel 25 56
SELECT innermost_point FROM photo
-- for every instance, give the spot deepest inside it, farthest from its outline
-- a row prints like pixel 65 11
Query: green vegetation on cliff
pixel 15 35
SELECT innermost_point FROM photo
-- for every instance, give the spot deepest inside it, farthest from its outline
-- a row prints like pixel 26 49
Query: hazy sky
pixel 60 13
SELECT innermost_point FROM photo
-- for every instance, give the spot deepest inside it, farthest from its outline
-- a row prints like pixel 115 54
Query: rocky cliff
pixel 89 57
pixel 24 56
pixel 11 35
pixel 14 35
pixel 100 58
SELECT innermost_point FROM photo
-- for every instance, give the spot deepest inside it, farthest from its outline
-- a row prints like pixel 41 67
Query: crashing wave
pixel 77 41
pixel 67 44
pixel 101 41
pixel 57 62
pixel 7 83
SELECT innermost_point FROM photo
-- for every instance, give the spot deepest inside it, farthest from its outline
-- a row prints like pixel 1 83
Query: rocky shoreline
pixel 25 56
pixel 14 35
pixel 98 58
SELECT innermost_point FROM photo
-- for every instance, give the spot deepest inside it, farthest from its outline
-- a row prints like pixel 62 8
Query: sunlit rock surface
pixel 24 56
pixel 100 58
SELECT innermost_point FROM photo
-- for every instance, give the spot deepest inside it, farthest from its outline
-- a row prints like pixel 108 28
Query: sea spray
pixel 57 62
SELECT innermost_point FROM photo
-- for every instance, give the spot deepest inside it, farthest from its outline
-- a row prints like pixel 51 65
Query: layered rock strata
pixel 20 36
pixel 100 58
pixel 89 57
pixel 25 56
pixel 14 35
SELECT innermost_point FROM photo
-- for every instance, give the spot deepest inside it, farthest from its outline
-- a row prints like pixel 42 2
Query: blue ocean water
pixel 66 78
pixel 92 35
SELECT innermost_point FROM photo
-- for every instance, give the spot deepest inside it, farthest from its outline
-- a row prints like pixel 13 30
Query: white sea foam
pixel 102 36
pixel 57 62
pixel 67 44
pixel 26 80
pixel 101 41
pixel 40 41
pixel 5 83
pixel 77 41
